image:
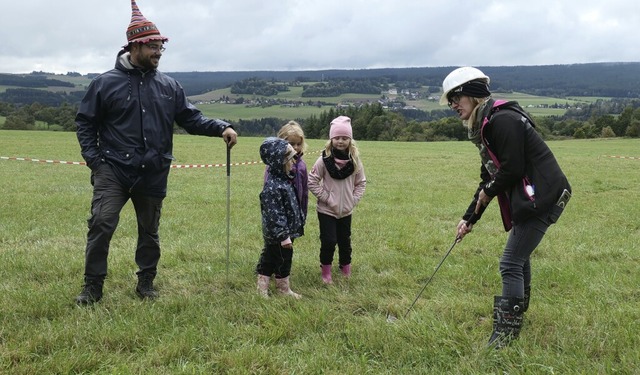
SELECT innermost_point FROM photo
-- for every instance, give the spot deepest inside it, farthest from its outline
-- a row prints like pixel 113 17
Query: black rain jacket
pixel 126 120
pixel 510 135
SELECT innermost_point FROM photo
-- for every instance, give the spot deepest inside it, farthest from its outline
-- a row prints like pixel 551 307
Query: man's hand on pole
pixel 230 137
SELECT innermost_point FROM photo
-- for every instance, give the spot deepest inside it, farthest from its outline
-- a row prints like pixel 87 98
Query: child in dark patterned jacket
pixel 282 217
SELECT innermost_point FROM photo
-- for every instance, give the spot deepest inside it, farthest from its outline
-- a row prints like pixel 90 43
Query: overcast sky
pixel 238 35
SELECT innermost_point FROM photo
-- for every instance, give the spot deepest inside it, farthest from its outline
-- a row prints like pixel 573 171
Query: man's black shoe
pixel 91 293
pixel 145 289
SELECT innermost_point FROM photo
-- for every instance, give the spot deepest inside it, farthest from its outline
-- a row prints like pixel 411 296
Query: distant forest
pixel 620 80
pixel 37 97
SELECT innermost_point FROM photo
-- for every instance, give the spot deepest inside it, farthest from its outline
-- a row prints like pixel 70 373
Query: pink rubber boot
pixel 326 274
pixel 346 270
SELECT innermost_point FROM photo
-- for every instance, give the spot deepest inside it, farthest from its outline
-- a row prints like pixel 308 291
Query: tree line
pixel 60 117
pixel 32 80
pixel 372 122
pixel 257 86
pixel 336 87
pixel 331 88
pixel 604 118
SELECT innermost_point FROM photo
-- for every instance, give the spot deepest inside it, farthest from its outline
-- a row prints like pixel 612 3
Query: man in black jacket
pixel 125 130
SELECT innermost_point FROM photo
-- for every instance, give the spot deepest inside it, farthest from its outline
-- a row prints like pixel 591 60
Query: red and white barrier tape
pixel 185 166
pixel 44 160
pixel 622 157
pixel 177 166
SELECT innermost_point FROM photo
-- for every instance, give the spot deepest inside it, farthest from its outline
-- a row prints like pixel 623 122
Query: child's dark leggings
pixel 335 231
pixel 275 259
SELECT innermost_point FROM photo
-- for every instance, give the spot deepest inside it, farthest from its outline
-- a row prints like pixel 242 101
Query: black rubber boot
pixel 144 288
pixel 507 320
pixel 91 292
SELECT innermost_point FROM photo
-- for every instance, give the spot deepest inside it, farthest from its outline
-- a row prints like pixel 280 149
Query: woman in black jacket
pixel 520 170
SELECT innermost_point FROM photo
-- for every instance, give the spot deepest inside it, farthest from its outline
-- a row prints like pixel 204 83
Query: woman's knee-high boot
pixel 507 320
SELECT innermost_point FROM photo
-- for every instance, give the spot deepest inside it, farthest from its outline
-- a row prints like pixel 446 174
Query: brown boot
pixel 263 285
pixel 283 287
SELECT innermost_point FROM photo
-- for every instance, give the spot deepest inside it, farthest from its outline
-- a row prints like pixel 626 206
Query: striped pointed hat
pixel 141 30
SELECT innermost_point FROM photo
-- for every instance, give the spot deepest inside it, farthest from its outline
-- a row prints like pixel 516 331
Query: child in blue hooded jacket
pixel 282 217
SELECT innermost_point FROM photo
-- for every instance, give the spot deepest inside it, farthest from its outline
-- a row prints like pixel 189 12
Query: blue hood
pixel 272 153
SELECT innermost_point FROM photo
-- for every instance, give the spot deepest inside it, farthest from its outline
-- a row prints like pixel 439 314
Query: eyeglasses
pixel 155 47
pixel 454 99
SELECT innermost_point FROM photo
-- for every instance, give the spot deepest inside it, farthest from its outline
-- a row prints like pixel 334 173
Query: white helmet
pixel 457 78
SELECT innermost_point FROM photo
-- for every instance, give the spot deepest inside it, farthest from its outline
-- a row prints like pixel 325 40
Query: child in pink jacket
pixel 338 182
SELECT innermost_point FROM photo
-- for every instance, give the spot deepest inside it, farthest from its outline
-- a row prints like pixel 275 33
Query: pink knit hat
pixel 141 30
pixel 341 127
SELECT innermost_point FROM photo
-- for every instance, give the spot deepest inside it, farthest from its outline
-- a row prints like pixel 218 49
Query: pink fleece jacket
pixel 336 198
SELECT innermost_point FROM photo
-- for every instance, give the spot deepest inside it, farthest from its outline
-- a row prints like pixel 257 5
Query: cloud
pixel 219 35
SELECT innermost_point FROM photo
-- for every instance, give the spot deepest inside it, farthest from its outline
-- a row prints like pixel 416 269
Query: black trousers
pixel 109 197
pixel 335 232
pixel 275 259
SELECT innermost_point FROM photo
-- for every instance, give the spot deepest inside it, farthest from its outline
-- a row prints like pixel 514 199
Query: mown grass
pixel 584 316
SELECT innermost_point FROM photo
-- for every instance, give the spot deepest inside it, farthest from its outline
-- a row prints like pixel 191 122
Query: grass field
pixel 584 316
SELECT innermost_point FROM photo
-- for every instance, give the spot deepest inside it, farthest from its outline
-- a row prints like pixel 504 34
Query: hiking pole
pixel 458 239
pixel 228 202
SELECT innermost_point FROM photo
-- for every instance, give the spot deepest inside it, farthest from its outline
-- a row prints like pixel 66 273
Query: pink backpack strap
pixel 503 199
pixel 485 121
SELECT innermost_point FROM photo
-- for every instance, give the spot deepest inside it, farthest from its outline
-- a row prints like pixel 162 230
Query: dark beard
pixel 143 62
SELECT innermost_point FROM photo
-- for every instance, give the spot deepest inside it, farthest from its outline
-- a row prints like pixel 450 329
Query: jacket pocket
pixel 121 157
pixel 153 161
pixel 333 202
pixel 523 200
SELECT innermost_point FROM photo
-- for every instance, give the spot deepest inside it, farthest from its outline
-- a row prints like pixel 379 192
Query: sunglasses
pixel 454 99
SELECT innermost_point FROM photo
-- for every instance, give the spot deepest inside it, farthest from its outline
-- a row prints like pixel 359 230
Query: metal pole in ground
pixel 390 317
pixel 432 275
pixel 228 202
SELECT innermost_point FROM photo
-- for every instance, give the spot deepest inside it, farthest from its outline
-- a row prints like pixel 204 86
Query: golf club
pixel 228 201
pixel 391 318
